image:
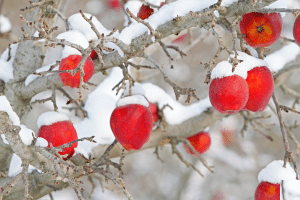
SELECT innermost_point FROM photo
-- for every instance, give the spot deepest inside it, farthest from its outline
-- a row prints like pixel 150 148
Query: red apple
pixel 71 62
pixel 201 142
pixel 114 4
pixel 60 133
pixel 267 191
pixel 261 85
pixel 227 137
pixel 93 55
pixel 145 12
pixel 181 39
pixel 131 125
pixel 228 94
pixel 261 29
pixel 154 111
pixel 296 30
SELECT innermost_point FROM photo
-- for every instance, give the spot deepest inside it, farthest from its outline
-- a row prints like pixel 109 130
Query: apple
pixel 93 55
pixel 71 62
pixel 114 4
pixel 145 12
pixel 181 39
pixel 154 111
pixel 267 191
pixel 229 94
pixel 296 30
pixel 261 86
pixel 60 133
pixel 131 122
pixel 200 141
pixel 261 29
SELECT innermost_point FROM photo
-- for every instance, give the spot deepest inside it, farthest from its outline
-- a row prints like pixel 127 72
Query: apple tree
pixel 143 99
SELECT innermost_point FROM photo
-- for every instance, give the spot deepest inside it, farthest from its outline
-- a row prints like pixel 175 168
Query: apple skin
pixel 93 55
pixel 261 29
pixel 132 125
pixel 114 4
pixel 181 39
pixel 296 30
pixel 154 110
pixel 261 86
pixel 71 62
pixel 228 137
pixel 60 133
pixel 145 12
pixel 228 94
pixel 267 191
pixel 200 141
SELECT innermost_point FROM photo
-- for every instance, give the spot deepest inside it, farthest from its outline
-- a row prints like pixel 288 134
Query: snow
pixel 281 57
pixel 77 22
pixel 292 187
pixel 164 14
pixel 6 67
pixel 135 99
pixel 6 71
pixel 137 88
pixel 5 24
pixel 32 77
pixel 51 117
pixel 180 113
pixel 64 194
pixel 41 142
pixel 75 37
pixel 26 135
pixel 134 7
pixel 15 166
pixel 275 172
pixel 6 107
pixel 99 106
pixel 81 151
pixel 224 68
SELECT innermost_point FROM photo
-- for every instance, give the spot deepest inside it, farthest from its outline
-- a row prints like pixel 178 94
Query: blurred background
pixel 237 160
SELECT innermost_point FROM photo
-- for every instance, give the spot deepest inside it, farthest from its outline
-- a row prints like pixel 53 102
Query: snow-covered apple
pixel 57 130
pixel 261 29
pixel 200 141
pixel 71 62
pixel 131 122
pixel 228 92
pixel 270 178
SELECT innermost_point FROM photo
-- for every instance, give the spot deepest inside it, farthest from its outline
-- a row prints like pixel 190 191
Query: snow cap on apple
pixel 270 178
pixel 274 172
